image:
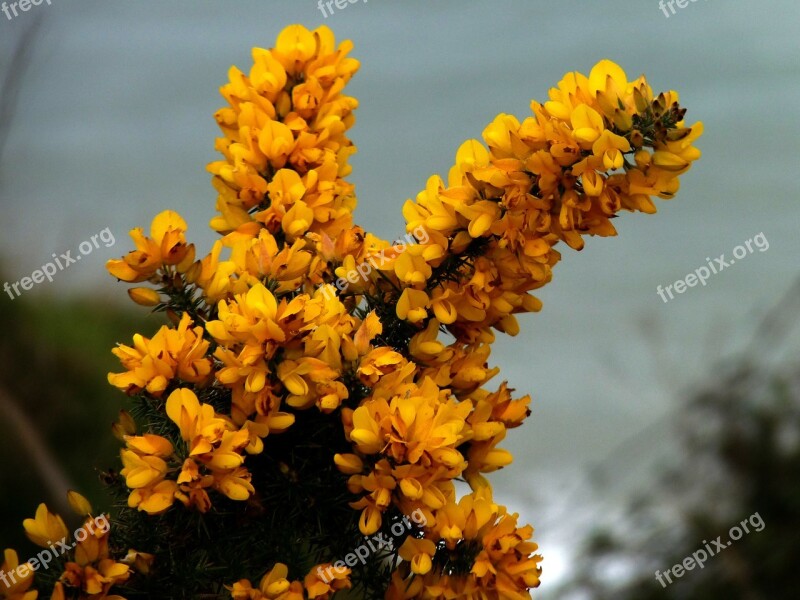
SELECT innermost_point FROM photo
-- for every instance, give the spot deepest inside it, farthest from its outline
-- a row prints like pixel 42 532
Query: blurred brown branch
pixel 36 449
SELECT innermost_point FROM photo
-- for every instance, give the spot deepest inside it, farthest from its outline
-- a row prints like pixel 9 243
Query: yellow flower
pixel 213 441
pixel 323 581
pixel 587 125
pixel 95 580
pixel 418 429
pixel 141 471
pixel 252 318
pixel 348 463
pixel 78 503
pixel 601 144
pixel 611 148
pixel 295 46
pixel 302 379
pixel 419 553
pixel 212 275
pixel 426 347
pixel 274 586
pixel 155 499
pixel 259 257
pixel 144 469
pixel 172 353
pixel 358 345
pixel 411 267
pixel 501 563
pixel 94 547
pixel 17 579
pixel 198 423
pixel 313 332
pixel 45 528
pixel 284 147
pixel 412 305
pixel 166 246
pixel 429 209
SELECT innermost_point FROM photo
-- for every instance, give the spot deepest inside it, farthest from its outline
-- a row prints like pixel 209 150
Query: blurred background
pixel 655 425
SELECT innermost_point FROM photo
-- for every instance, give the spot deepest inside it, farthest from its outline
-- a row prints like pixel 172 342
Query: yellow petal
pixel 604 70
pixel 79 504
pixel 669 161
pixel 164 222
pixel 45 528
pixel 144 296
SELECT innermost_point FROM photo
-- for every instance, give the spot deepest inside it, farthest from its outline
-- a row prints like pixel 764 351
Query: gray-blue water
pixel 114 124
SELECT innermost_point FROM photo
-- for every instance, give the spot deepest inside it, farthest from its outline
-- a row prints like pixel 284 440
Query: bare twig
pixel 30 439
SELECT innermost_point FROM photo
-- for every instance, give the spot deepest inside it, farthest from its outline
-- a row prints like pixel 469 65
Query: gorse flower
pixel 172 353
pixel 45 528
pixel 275 586
pixel 601 144
pixel 278 424
pixel 166 247
pixel 475 550
pixel 88 572
pixel 284 138
pixel 92 573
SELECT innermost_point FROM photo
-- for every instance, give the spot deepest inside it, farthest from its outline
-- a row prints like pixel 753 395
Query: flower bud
pixel 79 504
pixel 144 296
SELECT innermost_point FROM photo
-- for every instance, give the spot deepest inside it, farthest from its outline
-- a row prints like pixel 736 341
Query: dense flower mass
pixel 284 144
pixel 88 570
pixel 475 550
pixel 171 354
pixel 316 383
pixel 602 144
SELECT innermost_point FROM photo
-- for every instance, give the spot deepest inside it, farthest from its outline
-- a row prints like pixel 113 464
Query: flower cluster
pixel 151 364
pixel 305 337
pixel 602 144
pixel 165 248
pixel 475 550
pixel 271 399
pixel 211 456
pixel 284 141
pixel 88 570
pixel 275 585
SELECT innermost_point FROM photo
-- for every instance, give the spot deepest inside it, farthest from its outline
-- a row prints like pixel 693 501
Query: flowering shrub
pixel 278 423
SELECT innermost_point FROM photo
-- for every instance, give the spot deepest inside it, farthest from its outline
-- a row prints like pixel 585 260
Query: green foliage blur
pixel 54 356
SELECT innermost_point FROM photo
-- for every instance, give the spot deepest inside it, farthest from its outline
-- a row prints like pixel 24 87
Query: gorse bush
pixel 299 425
